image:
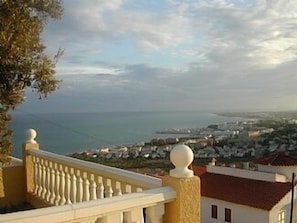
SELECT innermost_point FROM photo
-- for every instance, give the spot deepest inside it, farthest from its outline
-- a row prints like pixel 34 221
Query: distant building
pixel 246 195
pixel 253 133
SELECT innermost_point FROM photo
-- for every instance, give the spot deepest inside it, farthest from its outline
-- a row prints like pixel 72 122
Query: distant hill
pixel 262 115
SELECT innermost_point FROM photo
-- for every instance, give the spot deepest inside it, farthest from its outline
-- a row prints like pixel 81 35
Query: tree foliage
pixel 23 60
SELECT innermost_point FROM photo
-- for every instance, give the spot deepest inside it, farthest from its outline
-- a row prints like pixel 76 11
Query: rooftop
pixel 277 159
pixel 253 193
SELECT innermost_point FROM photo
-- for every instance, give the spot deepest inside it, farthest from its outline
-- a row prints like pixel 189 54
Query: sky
pixel 171 55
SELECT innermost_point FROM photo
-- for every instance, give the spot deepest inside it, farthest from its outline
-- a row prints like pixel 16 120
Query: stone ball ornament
pixel 181 156
pixel 30 136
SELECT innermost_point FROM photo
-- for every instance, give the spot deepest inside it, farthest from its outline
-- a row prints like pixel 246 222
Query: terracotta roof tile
pixel 199 170
pixel 277 159
pixel 254 193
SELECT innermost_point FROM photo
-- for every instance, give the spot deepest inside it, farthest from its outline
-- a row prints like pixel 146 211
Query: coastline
pixel 265 115
pixel 69 133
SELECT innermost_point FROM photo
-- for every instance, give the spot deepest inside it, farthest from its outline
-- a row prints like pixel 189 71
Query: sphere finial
pixel 30 136
pixel 181 156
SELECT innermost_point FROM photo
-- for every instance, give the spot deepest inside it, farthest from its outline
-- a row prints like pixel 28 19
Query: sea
pixel 67 133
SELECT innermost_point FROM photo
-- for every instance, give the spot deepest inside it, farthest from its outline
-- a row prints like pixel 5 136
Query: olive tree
pixel 24 62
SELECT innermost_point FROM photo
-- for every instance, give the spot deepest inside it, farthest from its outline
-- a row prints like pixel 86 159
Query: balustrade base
pixel 37 202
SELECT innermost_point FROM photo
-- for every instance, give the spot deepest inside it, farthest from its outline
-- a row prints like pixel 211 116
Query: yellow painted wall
pixel 12 184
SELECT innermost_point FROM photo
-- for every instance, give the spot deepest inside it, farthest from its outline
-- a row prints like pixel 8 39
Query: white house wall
pixel 239 213
pixel 284 204
pixel 284 170
pixel 270 176
pixel 287 170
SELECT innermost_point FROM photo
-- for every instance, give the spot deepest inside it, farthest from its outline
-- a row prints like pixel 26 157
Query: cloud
pixel 175 54
pixel 97 22
pixel 82 70
pixel 151 30
pixel 165 89
pixel 260 34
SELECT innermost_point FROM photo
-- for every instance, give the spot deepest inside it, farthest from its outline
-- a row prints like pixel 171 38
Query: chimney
pixel 246 165
pixel 213 162
pixel 232 165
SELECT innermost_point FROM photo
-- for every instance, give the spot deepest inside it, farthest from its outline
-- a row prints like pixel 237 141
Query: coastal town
pixel 241 140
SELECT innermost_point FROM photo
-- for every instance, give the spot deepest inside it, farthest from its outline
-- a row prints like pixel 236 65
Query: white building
pixel 262 195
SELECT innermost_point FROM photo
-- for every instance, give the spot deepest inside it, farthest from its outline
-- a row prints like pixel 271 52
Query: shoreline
pixel 260 114
pixel 69 133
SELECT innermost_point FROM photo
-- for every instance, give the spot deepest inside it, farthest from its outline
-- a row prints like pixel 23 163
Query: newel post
pixel 30 143
pixel 186 207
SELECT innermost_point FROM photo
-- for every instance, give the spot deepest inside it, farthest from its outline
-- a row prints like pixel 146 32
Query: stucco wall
pixel 186 207
pixel 239 213
pixel 12 185
pixel 266 173
pixel 285 170
pixel 284 205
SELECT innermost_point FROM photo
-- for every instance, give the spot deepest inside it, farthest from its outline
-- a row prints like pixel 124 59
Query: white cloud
pixel 153 31
pixel 81 70
pixel 261 33
pixel 89 14
pixel 221 53
pixel 102 21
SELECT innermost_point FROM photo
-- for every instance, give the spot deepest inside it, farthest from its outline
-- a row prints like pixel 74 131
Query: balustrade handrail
pixel 13 162
pixel 140 180
pixel 97 208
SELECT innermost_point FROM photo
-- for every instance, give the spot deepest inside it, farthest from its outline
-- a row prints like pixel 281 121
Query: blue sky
pixel 139 55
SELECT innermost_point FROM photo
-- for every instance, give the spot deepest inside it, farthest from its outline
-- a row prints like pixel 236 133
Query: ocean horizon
pixel 66 133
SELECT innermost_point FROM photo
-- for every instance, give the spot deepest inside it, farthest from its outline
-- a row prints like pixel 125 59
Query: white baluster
pixel 100 188
pixel 117 188
pixel 52 184
pixel 79 193
pixel 108 188
pixel 47 180
pixel 44 175
pixel 86 187
pixel 62 185
pixel 134 188
pixel 67 185
pixel 116 185
pixel 93 188
pixel 134 216
pixel 154 214
pixel 39 176
pixel 35 166
pixel 73 186
pixel 57 184
pixel 138 189
pixel 127 189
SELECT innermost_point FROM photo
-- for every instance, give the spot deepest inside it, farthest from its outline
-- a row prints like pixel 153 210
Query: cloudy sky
pixel 154 55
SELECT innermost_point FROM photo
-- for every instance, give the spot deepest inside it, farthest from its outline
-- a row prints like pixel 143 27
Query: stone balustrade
pixel 127 208
pixel 64 180
pixel 80 191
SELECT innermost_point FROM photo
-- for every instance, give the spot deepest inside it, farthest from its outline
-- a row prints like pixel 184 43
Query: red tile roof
pixel 254 193
pixel 278 159
pixel 198 170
